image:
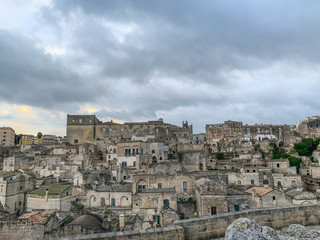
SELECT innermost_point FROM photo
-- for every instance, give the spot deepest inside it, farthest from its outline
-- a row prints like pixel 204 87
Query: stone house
pixel 111 196
pixel 237 200
pixel 53 196
pixel 156 207
pixel 287 181
pixel 259 197
pixel 13 187
pixel 182 183
pixel 11 164
pixel 302 197
pixel 211 197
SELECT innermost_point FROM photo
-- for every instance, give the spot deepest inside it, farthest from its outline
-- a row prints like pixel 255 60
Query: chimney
pixel 47 190
pixel 253 192
pixel 121 222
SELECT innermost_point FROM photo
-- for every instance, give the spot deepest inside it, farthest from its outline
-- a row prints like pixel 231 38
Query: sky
pixel 137 60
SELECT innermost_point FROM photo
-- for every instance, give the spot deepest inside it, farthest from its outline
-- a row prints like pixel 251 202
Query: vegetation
pixel 277 154
pixel 219 156
pixel 306 147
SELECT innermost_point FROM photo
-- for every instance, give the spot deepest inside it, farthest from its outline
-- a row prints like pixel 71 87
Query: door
pixel 213 210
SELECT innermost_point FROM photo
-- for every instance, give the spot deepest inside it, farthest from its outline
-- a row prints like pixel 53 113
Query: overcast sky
pixel 200 61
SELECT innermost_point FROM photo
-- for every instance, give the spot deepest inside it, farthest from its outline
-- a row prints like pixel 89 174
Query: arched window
pixel 293 183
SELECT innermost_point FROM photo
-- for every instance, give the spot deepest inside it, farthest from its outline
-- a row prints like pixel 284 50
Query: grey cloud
pixel 28 76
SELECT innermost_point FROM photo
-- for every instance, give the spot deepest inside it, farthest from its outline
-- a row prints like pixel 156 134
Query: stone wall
pixel 167 233
pixel 277 217
pixel 20 230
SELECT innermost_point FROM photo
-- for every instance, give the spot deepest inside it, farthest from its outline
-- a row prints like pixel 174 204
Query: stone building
pixel 50 197
pixel 236 130
pixel 266 197
pixel 13 187
pixel 7 136
pixel 113 197
pixel 211 197
pixel 156 206
pixel 310 128
pixel 81 128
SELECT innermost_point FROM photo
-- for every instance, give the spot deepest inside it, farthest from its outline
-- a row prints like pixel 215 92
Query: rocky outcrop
pixel 246 229
pixel 300 232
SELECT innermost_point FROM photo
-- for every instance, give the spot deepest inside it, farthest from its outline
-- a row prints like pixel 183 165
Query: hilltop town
pixel 106 177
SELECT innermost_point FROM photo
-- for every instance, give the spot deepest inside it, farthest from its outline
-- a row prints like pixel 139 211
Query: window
pixel 274 198
pixel 114 178
pixel 80 120
pixel 113 202
pixel 166 203
pixel 236 208
pixel 293 183
pixel 124 177
pixel 184 186
pixel 279 184
pixel 20 203
pixel 127 152
pixel 159 185
pixel 134 163
pixel 94 199
pixel 265 182
pixel 252 182
pixel 153 151
pixel 76 141
pixel 21 187
pixel 124 164
pixel 278 165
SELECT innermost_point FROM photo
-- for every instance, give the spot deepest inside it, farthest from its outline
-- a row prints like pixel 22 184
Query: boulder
pixel 300 231
pixel 246 229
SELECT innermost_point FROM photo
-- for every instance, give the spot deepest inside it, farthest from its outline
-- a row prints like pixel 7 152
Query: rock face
pixel 246 229
pixel 299 232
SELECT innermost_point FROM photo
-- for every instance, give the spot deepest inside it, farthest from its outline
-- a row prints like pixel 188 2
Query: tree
pixel 17 139
pixel 306 146
pixel 39 135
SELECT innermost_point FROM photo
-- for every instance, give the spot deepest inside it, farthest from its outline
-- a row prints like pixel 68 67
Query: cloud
pixel 201 61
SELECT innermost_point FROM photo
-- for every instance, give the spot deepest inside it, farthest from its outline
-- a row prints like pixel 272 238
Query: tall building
pixel 7 135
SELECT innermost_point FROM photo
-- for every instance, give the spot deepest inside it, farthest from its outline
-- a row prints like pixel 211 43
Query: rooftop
pixel 53 190
pixel 259 190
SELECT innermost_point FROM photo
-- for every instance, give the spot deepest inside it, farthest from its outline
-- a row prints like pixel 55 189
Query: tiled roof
pixel 37 217
pixel 259 190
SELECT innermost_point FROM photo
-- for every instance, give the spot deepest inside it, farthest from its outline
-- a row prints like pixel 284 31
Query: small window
pixel 166 203
pixel 159 185
pixel 236 208
pixel 124 164
pixel 134 163
pixel 184 186
pixel 252 182
pixel 76 141
pixel 124 177
pixel 274 197
pixel 21 187
pixel 114 178
pixel 80 120
pixel 278 165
